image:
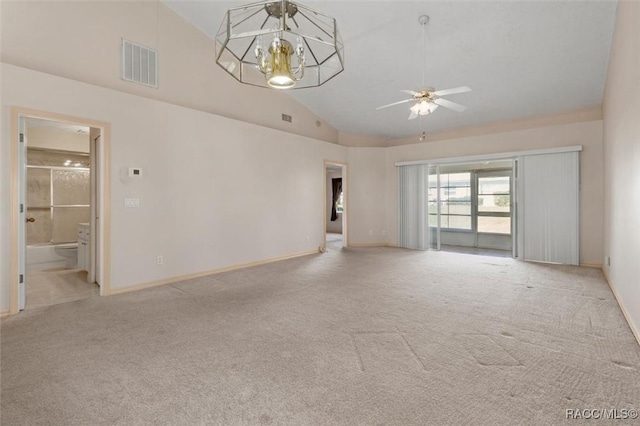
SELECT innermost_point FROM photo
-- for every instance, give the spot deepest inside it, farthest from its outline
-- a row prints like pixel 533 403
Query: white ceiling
pixel 520 58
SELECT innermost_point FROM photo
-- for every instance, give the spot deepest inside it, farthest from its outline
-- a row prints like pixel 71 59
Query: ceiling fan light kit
pixel 429 99
pixel 279 44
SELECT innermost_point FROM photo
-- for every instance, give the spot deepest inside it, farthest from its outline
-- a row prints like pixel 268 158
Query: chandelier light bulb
pixel 280 76
pixel 279 44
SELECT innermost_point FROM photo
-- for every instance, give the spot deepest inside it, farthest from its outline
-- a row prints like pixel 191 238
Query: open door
pixel 335 211
pixel 21 214
pixel 94 244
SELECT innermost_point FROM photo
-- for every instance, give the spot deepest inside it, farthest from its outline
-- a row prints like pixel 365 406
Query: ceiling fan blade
pixel 446 92
pixel 413 115
pixel 395 103
pixel 451 105
pixel 410 92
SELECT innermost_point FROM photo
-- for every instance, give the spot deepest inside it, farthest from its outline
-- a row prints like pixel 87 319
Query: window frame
pixel 475 175
pixel 479 174
pixel 443 202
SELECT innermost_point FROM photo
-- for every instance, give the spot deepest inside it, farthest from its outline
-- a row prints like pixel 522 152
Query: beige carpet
pixel 359 336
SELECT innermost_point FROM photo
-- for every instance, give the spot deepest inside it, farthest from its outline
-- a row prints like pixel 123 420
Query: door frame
pixel 103 234
pixel 345 202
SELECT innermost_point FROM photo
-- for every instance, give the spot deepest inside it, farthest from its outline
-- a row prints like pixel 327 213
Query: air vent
pixel 139 64
pixel 286 118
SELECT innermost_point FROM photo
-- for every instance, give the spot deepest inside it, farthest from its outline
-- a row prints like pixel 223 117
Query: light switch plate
pixel 132 202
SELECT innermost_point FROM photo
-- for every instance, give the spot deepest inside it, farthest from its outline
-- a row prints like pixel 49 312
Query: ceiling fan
pixel 429 99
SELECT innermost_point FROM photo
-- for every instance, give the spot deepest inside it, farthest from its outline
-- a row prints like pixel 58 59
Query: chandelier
pixel 279 44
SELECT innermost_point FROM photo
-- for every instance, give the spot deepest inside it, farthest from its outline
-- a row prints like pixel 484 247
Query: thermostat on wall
pixel 135 172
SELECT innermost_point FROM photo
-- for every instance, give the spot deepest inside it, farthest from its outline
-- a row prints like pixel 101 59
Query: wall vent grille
pixel 139 64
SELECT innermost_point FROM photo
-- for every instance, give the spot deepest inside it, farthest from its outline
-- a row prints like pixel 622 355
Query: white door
pixel 22 219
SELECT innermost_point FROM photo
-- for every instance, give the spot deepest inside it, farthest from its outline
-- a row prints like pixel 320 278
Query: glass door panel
pixel 434 207
pixel 494 209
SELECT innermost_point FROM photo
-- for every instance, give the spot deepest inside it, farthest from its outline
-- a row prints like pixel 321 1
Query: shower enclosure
pixel 58 197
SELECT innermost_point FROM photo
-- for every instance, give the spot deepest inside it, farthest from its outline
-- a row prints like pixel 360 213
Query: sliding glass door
pixel 494 209
pixel 470 205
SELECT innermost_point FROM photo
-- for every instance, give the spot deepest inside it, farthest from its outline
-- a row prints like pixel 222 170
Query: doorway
pixel 335 210
pixel 60 218
pixel 471 207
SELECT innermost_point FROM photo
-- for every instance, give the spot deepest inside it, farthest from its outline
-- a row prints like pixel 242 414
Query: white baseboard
pixel 592 265
pixel 205 273
pixel 356 245
pixel 635 331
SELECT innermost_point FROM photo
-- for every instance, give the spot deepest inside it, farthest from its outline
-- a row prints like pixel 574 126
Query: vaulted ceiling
pixel 521 58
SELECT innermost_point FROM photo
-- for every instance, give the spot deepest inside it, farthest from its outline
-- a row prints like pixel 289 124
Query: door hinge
pixel 22 137
pixel 21 278
pixel 21 208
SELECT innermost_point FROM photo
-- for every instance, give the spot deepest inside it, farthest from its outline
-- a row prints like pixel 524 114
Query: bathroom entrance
pixel 58 207
pixel 58 235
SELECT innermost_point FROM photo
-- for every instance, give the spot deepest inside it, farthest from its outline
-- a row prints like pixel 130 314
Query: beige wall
pixel 588 134
pixel 622 162
pixel 54 138
pixel 367 201
pixel 216 192
pixel 348 139
pixel 81 40
pixel 203 154
pixel 336 225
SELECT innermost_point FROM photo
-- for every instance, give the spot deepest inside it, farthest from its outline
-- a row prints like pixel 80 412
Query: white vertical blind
pixel 413 215
pixel 550 212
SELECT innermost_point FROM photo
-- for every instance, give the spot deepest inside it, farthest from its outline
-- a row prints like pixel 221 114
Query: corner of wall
pixel 621 136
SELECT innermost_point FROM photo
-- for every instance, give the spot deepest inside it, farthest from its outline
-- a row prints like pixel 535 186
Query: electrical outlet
pixel 307 238
pixel 384 232
pixel 160 260
pixel 370 231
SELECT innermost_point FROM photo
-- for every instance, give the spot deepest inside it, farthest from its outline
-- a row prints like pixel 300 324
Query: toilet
pixel 70 252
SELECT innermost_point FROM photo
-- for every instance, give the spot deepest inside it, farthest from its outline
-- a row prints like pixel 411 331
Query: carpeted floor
pixel 358 336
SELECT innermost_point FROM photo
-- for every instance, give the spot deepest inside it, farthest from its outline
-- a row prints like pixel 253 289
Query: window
pixel 494 204
pixel 339 204
pixel 455 201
